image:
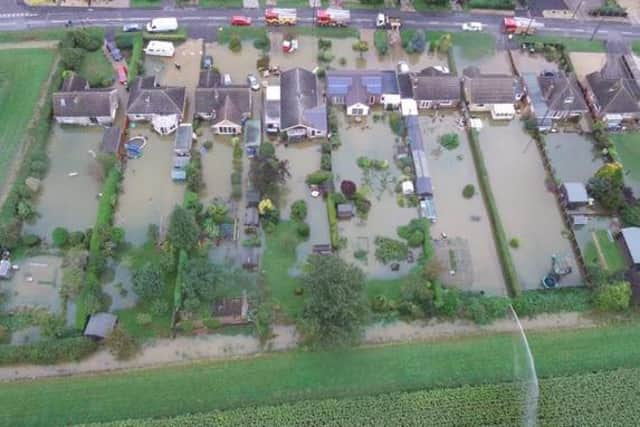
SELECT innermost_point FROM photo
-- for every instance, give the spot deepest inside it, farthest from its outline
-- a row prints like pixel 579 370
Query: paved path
pixel 183 350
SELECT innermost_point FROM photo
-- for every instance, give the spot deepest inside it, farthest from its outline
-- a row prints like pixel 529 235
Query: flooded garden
pixel 526 62
pixel 69 194
pixel 526 205
pixel 573 156
pixel 469 249
pixel 374 140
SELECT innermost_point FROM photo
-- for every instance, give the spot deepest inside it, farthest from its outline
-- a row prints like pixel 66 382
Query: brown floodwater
pixel 573 156
pixel 587 62
pixel 36 284
pixel 237 65
pixel 148 193
pixel 527 62
pixel 496 63
pixel 217 165
pixel 376 141
pixel 527 208
pixel 69 201
pixel 462 220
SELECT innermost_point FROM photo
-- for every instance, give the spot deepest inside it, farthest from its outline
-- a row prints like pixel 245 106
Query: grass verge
pixel 96 69
pixel 610 251
pixel 25 36
pixel 285 377
pixel 145 3
pixel 245 33
pixel 571 44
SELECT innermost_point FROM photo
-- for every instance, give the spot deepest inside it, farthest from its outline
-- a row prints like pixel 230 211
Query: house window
pixel 227 130
pixel 372 100
pixel 424 103
pixel 338 100
pixel 357 111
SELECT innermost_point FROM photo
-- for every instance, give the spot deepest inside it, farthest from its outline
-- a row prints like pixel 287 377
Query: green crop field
pixel 19 92
pixel 286 377
pixel 564 401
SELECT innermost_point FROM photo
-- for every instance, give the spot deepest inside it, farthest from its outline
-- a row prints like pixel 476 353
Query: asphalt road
pixel 19 17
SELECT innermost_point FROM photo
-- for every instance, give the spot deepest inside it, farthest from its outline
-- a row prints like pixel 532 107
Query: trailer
pixel 526 26
pixel 279 16
pixel 386 22
pixel 333 17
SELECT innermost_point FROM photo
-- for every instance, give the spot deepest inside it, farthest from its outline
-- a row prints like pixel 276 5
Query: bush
pixel 324 44
pixel 71 58
pixel 468 191
pixel 76 238
pixel 325 56
pixel 31 240
pixel 325 162
pixel 613 297
pixel 388 250
pixel 60 237
pixel 208 145
pixel 122 345
pixel 416 239
pixel 159 307
pixel 531 303
pixel 348 188
pixel 48 352
pixel 303 229
pixel 396 123
pixel 211 323
pixel 333 220
pixel 262 42
pixel 299 210
pixel 514 243
pixel 267 149
pixel 235 44
pixel 143 319
pixel 450 141
pixel 381 42
pixel 318 177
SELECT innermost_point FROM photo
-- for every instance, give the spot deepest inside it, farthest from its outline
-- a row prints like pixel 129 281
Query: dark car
pixel 207 62
pixel 114 51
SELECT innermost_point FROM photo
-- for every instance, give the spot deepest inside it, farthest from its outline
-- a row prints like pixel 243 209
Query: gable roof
pixel 405 85
pixel 74 83
pixel 231 103
pixel 489 88
pixel 209 78
pixel 436 86
pixel 561 92
pixel 86 103
pixel 300 100
pixel 614 95
pixel 146 97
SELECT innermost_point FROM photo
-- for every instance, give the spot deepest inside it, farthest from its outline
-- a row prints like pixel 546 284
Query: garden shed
pixel 249 258
pixel 346 210
pixel 5 269
pixel 322 249
pixel 251 218
pixel 231 311
pixel 575 195
pixel 631 239
pixel 100 325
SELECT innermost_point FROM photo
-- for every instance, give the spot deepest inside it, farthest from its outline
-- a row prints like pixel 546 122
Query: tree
pixel 444 43
pixel 122 345
pixel 183 229
pixel 418 42
pixel 267 174
pixel 606 193
pixel 201 279
pixel 299 210
pixel 235 44
pixel 613 297
pixel 335 306
pixel 71 58
pixel 60 236
pixel 10 233
pixel 348 188
pixel 147 281
pixel 361 46
pixel 381 42
pixel 612 172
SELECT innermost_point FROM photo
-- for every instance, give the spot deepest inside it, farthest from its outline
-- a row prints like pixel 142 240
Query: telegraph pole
pixel 595 30
pixel 576 9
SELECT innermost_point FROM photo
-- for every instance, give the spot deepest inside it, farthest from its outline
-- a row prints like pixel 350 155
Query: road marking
pixel 627 33
pixel 17 15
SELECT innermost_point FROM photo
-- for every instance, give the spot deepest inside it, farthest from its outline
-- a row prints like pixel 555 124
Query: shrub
pixel 236 191
pixel 303 229
pixel 208 145
pixel 325 56
pixel 235 44
pixel 236 177
pixel 159 307
pixel 318 177
pixel 450 141
pixel 381 42
pixel 298 291
pixel 348 188
pixel 186 326
pixel 10 233
pixel 71 58
pixel 143 319
pixel 514 243
pixel 60 237
pixel 122 345
pixel 388 250
pixel 333 220
pixel 416 239
pixel 324 44
pixel 76 238
pixel 325 162
pixel 396 123
pixel 613 297
pixel 262 42
pixel 531 303
pixel 299 210
pixel 31 240
pixel 38 168
pixel 48 352
pixel 468 191
pixel 267 149
pixel 211 323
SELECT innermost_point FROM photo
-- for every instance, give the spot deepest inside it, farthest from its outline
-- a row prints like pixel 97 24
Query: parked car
pixel 130 28
pixel 240 20
pixel 123 73
pixel 253 82
pixel 226 79
pixel 472 26
pixel 114 51
pixel 207 62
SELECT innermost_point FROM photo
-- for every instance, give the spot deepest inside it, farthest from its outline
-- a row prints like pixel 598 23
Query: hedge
pixel 48 352
pixel 136 58
pixel 177 292
pixel 179 35
pixel 532 303
pixel 492 4
pixel 333 221
pixel 502 244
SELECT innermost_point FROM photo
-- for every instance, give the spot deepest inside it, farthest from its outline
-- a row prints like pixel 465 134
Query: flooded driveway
pixel 237 65
pixel 36 284
pixel 375 141
pixel 148 193
pixel 528 210
pixel 573 156
pixel 465 222
pixel 585 63
pixel 71 151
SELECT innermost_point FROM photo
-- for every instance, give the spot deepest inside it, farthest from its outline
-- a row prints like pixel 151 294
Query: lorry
pixel 516 25
pixel 160 25
pixel 159 48
pixel 278 16
pixel 333 17
pixel 386 22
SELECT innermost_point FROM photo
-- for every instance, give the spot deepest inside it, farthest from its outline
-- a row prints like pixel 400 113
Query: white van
pixel 160 25
pixel 472 26
pixel 158 48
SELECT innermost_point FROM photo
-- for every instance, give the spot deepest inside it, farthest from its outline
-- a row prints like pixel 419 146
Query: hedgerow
pixel 48 352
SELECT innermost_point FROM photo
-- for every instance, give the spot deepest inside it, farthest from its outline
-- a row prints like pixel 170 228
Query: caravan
pixel 158 48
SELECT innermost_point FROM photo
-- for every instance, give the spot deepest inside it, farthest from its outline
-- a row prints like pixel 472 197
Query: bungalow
pixel 494 93
pixel 77 104
pixel 272 109
pixel 163 106
pixel 359 90
pixel 227 107
pixel 303 111
pixel 553 97
pixel 613 93
pixel 434 89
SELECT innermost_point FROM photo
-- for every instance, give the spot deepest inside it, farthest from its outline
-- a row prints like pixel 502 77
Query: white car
pixel 253 82
pixel 472 26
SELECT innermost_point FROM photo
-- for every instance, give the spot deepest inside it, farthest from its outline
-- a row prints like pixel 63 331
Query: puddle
pixel 71 149
pixel 532 63
pixel 573 156
pixel 121 289
pixel 464 221
pixel 376 141
pixel 528 210
pixel 148 193
pixel 36 284
pixel 497 63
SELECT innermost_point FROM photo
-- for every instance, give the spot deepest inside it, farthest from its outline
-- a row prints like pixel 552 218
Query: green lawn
pixel 23 36
pixel 282 377
pixel 97 69
pixel 635 46
pixel 628 149
pixel 22 75
pixel 145 3
pixel 571 44
pixel 563 401
pixel 610 251
pixel 220 3
pixel 472 45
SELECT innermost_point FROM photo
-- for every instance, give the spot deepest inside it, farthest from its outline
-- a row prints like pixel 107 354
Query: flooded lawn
pixel 464 221
pixel 573 156
pixel 304 158
pixel 238 65
pixel 71 150
pixel 527 62
pixel 148 193
pixel 497 63
pixel 121 289
pixel 585 63
pixel 528 210
pixel 36 284
pixel 375 141
pixel 217 165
